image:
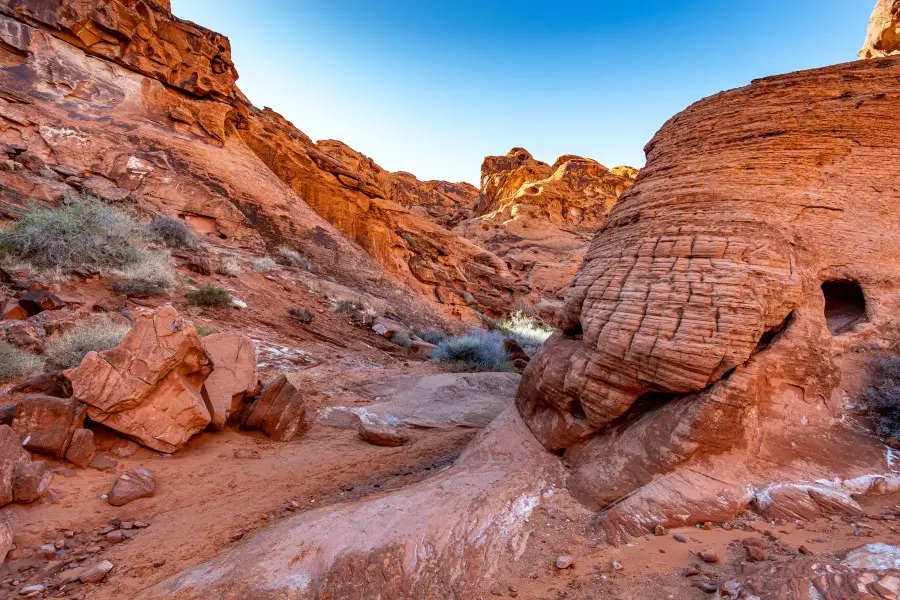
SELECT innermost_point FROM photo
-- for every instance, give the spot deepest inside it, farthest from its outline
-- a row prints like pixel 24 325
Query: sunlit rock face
pixel 883 37
pixel 726 311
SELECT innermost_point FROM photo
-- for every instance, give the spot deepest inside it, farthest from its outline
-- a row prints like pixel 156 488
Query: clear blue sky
pixel 432 86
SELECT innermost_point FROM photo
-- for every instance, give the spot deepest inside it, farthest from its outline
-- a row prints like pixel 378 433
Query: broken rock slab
pixel 11 455
pixel 47 423
pixel 280 411
pixel 31 480
pixel 148 387
pixel 131 485
pixel 383 435
pixel 81 450
pixel 233 378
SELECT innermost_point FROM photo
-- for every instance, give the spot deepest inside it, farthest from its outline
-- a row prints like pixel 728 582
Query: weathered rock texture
pixel 233 377
pixel 123 101
pixel 443 538
pixel 148 387
pixel 883 37
pixel 539 218
pixel 694 370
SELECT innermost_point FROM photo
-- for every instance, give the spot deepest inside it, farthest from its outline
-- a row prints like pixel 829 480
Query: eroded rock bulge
pixel 883 36
pixel 695 343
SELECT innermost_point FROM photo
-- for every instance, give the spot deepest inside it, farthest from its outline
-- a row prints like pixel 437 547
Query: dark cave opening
pixel 845 305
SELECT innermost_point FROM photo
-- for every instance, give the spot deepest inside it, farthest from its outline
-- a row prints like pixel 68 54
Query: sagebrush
pixel 209 295
pixel 80 232
pixel 292 258
pixel 478 350
pixel 883 396
pixel 98 333
pixel 15 362
pixel 528 331
pixel 228 265
pixel 304 315
pixel 401 338
pixel 152 276
pixel 172 232
pixel 264 265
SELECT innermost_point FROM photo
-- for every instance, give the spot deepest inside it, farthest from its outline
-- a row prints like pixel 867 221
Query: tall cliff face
pixel 715 333
pixel 540 218
pixel 883 36
pixel 122 100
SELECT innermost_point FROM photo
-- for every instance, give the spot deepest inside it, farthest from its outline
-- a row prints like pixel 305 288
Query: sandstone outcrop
pixel 883 37
pixel 539 218
pixel 233 378
pixel 148 387
pixel 695 369
pixel 280 411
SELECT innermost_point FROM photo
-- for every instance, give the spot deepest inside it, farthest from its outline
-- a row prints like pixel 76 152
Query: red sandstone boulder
pixel 31 480
pixel 883 37
pixel 131 485
pixel 280 411
pixel 233 378
pixel 383 435
pixel 36 301
pixel 148 387
pixel 11 454
pixel 46 423
pixel 6 540
pixel 81 450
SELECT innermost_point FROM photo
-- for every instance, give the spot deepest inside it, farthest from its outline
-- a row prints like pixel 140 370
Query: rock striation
pixel 883 37
pixel 712 339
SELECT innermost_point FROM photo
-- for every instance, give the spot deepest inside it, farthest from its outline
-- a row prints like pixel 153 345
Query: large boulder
pixel 47 423
pixel 883 37
pixel 234 374
pixel 11 455
pixel 727 311
pixel 149 386
pixel 280 411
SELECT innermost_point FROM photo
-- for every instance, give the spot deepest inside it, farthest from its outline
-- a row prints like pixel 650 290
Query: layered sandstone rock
pixel 540 218
pixel 123 101
pixel 696 368
pixel 148 387
pixel 883 37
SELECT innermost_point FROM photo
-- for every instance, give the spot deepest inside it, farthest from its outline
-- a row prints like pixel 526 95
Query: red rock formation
pixel 704 360
pixel 124 101
pixel 540 218
pixel 883 37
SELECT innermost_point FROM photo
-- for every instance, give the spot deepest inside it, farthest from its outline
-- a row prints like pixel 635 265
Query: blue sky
pixel 432 86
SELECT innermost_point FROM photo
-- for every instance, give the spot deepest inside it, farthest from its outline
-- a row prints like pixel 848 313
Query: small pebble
pixel 709 556
pixel 680 538
pixel 563 562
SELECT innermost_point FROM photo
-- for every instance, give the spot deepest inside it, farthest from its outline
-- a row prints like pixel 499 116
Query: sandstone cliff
pixel 540 218
pixel 883 37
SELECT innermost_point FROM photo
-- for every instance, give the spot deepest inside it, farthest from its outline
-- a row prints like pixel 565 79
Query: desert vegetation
pixel 883 397
pixel 475 351
pixel 171 232
pixel 292 258
pixel 96 334
pixel 530 332
pixel 264 265
pixel 209 295
pixel 304 315
pixel 15 362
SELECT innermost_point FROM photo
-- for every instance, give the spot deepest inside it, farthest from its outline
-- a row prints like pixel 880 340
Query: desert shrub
pixel 152 276
pixel 528 331
pixel 401 338
pixel 347 307
pixel 264 265
pixel 883 397
pixel 304 315
pixel 204 330
pixel 15 362
pixel 174 233
pixel 478 350
pixel 80 232
pixel 431 335
pixel 292 258
pixel 209 295
pixel 97 333
pixel 228 265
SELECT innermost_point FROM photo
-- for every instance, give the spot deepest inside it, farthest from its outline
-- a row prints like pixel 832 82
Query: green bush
pixel 292 258
pixel 347 307
pixel 264 265
pixel 478 350
pixel 529 332
pixel 174 233
pixel 15 362
pixel 209 295
pixel 152 276
pixel 401 338
pixel 80 232
pixel 304 315
pixel 204 330
pixel 431 335
pixel 883 397
pixel 96 334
